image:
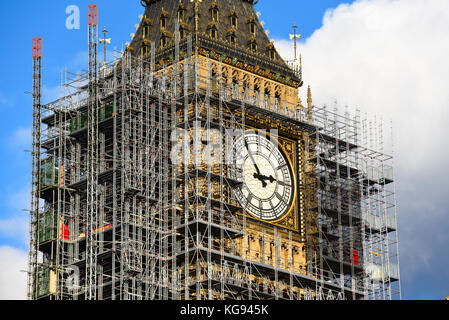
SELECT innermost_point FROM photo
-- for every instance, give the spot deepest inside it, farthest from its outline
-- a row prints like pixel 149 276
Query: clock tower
pixel 244 86
pixel 189 169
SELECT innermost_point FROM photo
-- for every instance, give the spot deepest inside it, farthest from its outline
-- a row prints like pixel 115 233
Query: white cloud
pixel 12 279
pixel 389 57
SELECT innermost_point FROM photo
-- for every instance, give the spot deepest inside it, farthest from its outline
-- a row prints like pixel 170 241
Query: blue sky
pixel 65 48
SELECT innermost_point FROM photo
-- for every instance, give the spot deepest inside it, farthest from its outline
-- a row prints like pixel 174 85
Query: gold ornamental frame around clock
pixel 293 210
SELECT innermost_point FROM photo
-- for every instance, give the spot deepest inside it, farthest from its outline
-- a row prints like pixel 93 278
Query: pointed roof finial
pixel 295 37
pixel 197 2
pixel 309 105
pixel 105 41
pixel 309 97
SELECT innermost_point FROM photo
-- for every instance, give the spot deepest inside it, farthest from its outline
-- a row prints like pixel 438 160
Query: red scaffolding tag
pixel 355 257
pixel 37 47
pixel 92 15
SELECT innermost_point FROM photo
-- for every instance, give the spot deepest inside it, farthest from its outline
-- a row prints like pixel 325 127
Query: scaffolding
pixel 352 210
pixel 113 216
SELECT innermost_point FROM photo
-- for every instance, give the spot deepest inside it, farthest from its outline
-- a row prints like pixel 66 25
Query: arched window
pixel 257 86
pixel 214 14
pixel 181 13
pixel 146 31
pixel 234 19
pixel 213 33
pixel 144 51
pixel 164 41
pixel 224 75
pixel 163 23
pixel 277 95
pixel 164 19
pixel 271 51
pixel 182 33
pixel 146 28
pixel 252 28
pixel 232 39
pixel 252 44
pixel 212 30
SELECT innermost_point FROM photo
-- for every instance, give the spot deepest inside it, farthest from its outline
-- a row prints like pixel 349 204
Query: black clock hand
pixel 257 175
pixel 260 178
pixel 264 178
pixel 252 158
pixel 271 179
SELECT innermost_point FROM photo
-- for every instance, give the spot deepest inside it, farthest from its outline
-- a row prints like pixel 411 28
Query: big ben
pixel 189 169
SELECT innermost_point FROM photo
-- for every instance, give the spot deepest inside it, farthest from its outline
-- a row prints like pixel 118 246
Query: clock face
pixel 268 188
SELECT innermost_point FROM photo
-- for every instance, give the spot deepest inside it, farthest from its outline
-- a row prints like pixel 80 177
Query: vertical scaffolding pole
pixel 92 182
pixel 35 167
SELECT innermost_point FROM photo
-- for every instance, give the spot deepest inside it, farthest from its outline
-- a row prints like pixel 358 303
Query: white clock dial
pixel 268 188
